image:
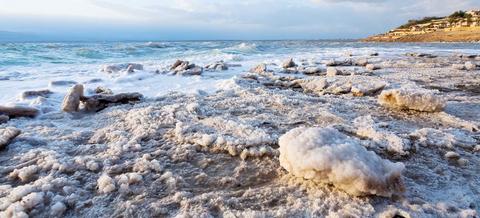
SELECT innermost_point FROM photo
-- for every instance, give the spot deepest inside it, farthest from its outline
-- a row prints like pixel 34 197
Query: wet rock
pixel 129 67
pixel 4 119
pixel 470 65
pixel 102 101
pixel 62 83
pixel 71 101
pixel 467 56
pixel 374 54
pixel 37 93
pixel 261 68
pixel 7 135
pixel 289 63
pixel 420 55
pixel 191 72
pixel 103 90
pixel 371 67
pixel 185 68
pixel 19 111
pixel 217 66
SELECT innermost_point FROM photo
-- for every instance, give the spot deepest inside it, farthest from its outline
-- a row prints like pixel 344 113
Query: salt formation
pixel 128 67
pixel 443 139
pixel 261 68
pixel 366 127
pixel 7 135
pixel 470 65
pixel 71 102
pixel 105 184
pixel 326 155
pixel 411 98
pixel 372 67
pixel 357 85
pixel 217 66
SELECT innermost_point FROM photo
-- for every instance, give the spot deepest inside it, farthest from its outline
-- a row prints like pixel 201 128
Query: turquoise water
pixel 32 66
pixel 22 54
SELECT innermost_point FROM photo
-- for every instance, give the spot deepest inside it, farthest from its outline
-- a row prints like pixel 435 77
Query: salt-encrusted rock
pixel 261 68
pixel 312 70
pixel 103 90
pixel 19 111
pixel 289 63
pixel 412 99
pixel 4 119
pixel 71 101
pixel 337 87
pixel 334 63
pixel 7 135
pixel 332 71
pixel 314 85
pixel 217 66
pixel 57 209
pixel 102 101
pixel 470 65
pixel 62 83
pixel 129 67
pixel 361 62
pixel 105 184
pixel 452 155
pixel 365 89
pixel 328 156
pixel 372 67
pixel 458 66
pixel 37 93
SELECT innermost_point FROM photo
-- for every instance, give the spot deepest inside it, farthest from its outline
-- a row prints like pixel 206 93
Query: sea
pixel 57 65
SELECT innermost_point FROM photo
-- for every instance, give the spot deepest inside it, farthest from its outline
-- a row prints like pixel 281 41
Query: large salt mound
pixel 326 155
pixel 411 98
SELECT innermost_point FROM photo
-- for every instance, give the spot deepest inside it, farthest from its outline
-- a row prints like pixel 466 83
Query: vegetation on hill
pixel 453 17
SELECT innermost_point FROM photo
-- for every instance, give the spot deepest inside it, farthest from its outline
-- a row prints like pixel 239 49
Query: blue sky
pixel 220 19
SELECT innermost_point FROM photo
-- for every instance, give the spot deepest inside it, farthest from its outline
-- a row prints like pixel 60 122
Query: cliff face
pixel 458 27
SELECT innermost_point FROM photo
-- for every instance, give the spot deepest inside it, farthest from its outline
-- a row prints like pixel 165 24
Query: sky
pixel 215 20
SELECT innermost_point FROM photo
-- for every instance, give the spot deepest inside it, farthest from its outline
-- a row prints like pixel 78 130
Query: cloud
pixel 213 19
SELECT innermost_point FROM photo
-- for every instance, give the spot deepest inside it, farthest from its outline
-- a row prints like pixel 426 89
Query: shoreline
pixel 219 153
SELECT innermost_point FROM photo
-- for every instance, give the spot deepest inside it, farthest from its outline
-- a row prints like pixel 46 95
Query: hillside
pixel 458 27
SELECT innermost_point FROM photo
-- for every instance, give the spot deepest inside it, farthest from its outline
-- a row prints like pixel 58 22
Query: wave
pixel 243 48
pixel 89 53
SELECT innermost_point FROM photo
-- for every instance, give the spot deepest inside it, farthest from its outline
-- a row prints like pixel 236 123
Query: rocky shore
pixel 364 136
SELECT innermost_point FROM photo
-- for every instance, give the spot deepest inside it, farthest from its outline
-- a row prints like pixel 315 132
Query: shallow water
pixel 31 66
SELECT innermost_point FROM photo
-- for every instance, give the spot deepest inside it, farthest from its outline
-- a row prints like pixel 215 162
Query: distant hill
pixel 6 36
pixel 461 26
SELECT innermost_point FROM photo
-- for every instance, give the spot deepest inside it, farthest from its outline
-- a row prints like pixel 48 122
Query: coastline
pixel 217 154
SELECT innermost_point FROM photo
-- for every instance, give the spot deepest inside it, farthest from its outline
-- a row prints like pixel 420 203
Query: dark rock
pixel 101 101
pixel 19 111
pixel 7 135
